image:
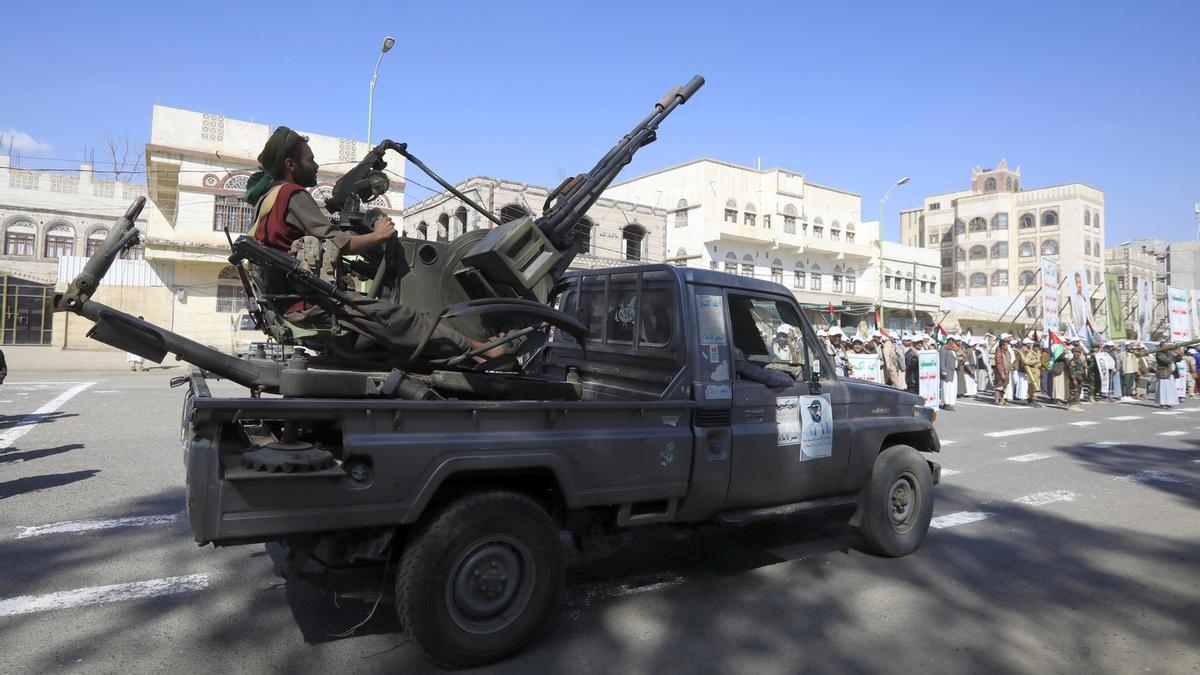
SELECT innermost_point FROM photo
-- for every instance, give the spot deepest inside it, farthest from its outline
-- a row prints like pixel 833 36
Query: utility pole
pixel 882 201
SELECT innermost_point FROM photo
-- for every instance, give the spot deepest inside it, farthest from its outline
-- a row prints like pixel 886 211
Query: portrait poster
pixel 816 427
pixel 1079 296
pixel 1116 308
pixel 1145 309
pixel 1050 295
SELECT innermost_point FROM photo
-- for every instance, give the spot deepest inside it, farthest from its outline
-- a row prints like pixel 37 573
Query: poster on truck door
pixel 928 375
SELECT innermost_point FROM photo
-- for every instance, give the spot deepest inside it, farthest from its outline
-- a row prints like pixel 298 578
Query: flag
pixel 832 315
pixel 939 333
pixel 1057 347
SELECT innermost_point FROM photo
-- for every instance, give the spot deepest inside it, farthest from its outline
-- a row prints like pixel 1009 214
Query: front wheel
pixel 897 504
pixel 480 579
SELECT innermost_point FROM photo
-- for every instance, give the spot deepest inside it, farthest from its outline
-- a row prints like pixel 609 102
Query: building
pixel 618 232
pixel 990 237
pixel 773 224
pixel 46 215
pixel 197 166
pixel 1166 264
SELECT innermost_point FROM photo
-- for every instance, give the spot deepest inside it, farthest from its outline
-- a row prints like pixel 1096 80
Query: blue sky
pixel 853 94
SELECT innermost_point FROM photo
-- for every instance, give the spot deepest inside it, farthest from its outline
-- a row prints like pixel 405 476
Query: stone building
pixel 1133 262
pixel 47 215
pixel 618 232
pixel 773 224
pixel 990 237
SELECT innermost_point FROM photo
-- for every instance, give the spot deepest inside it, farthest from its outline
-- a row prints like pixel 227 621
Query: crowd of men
pixel 1025 368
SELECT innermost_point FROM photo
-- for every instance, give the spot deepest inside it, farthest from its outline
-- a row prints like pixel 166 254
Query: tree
pixel 124 158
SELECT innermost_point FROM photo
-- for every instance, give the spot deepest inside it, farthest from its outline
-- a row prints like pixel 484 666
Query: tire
pixel 480 579
pixel 897 502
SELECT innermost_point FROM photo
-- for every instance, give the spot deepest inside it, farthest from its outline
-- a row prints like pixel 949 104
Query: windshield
pixel 245 322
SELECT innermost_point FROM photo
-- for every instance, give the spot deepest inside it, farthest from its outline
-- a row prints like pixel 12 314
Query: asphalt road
pixel 1069 542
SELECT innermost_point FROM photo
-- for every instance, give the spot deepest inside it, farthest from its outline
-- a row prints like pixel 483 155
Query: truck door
pixel 787 446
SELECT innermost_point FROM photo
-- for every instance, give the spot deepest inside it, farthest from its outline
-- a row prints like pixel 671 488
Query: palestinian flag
pixel 832 315
pixel 939 334
pixel 1057 347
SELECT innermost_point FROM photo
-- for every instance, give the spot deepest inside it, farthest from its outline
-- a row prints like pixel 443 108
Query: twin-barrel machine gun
pixel 484 282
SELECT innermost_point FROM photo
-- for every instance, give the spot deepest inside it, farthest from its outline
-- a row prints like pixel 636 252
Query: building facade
pixel 614 232
pixel 1134 262
pixel 990 237
pixel 773 224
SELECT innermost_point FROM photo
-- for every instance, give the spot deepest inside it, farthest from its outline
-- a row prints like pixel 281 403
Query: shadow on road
pixel 35 483
pixel 10 421
pixel 15 456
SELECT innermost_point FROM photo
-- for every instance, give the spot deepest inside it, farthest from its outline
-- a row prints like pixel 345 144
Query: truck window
pixel 623 309
pixel 766 330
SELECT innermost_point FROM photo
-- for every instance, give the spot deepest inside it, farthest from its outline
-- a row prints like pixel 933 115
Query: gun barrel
pixel 121 236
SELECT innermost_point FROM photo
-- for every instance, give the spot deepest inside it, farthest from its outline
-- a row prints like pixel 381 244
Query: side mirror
pixel 814 381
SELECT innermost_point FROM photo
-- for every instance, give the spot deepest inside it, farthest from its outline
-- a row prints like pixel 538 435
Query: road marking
pixel 71 527
pixel 1043 498
pixel 39 384
pixel 106 391
pixel 1015 432
pixel 960 518
pixel 30 421
pixel 1031 457
pixel 949 472
pixel 99 595
pixel 1172 433
pixel 1104 444
pixel 1167 412
pixel 1150 476
pixel 1085 423
pixel 949 442
pixel 1126 418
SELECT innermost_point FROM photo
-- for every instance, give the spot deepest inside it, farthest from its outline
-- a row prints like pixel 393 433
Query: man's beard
pixel 304 177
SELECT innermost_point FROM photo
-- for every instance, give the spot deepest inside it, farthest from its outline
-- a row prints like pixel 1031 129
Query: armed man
pixel 284 212
pixel 1031 363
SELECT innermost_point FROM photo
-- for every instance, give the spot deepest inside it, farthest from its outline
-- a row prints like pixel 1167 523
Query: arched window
pixel 818 228
pixel 799 276
pixel 978 280
pixel 1000 249
pixel 850 232
pixel 19 237
pixel 1000 278
pixel 632 238
pixel 1049 219
pixel 960 227
pixel 789 219
pixel 978 225
pixel 989 185
pixel 95 238
pixel 681 258
pixel 978 253
pixel 960 281
pixel 1096 220
pixel 681 213
pixel 750 215
pixel 851 280
pixel 1087 247
pixel 960 254
pixel 1027 250
pixel 460 221
pixel 1016 185
pixel 230 295
pixel 513 212
pixel 1087 218
pixel 60 241
pixel 443 231
pixel 1008 183
pixel 747 265
pixel 1000 221
pixel 423 229
pixel 815 277
pixel 1027 221
pixel 835 231
pixel 777 271
pixel 1050 247
pixel 1027 277
pixel 731 211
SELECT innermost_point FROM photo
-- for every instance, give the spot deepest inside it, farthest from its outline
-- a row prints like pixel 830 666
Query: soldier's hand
pixel 384 228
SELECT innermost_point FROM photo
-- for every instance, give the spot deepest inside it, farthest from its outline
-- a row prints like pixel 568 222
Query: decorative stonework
pixel 346 150
pixel 213 127
pixel 210 180
pixel 236 182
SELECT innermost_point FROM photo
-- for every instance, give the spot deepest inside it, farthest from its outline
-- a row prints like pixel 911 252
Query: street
pixel 1061 542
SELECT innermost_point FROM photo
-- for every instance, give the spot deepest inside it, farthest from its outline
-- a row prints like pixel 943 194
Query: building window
pixel 777 272
pixel 1049 219
pixel 851 282
pixel 60 241
pixel 946 261
pixel 767 221
pixel 748 219
pixel 849 237
pixel 1027 277
pixel 1121 282
pixel 837 282
pixel 423 227
pixel 887 282
pixel 443 228
pixel 1050 247
pixel 1000 221
pixel 681 258
pixel 1027 250
pixel 681 213
pixel 95 239
pixel 978 253
pixel 789 224
pixel 798 278
pixel 960 281
pixel 989 185
pixel 1000 278
pixel 1096 221
pixel 978 280
pixel 748 270
pixel 1087 218
pixel 632 236
pixel 816 281
pixel 935 206
pixel 460 221
pixel 933 237
pixel 1087 247
pixel 978 225
pixel 731 212
pixel 19 238
pixel 233 213
pixel 818 232
pixel 959 254
pixel 230 295
pixel 960 227
pixel 1008 183
pixel 1000 249
pixel 1027 222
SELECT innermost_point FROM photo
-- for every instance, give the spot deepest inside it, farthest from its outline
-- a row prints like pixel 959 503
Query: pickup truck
pixel 674 407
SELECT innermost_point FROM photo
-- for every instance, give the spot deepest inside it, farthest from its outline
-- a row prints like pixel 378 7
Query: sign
pixel 787 419
pixel 1181 322
pixel 865 367
pixel 1050 300
pixel 1145 309
pixel 1116 309
pixel 816 433
pixel 1079 295
pixel 1195 311
pixel 928 370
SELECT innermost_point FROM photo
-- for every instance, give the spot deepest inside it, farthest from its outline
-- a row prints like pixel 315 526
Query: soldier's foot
pixel 1075 407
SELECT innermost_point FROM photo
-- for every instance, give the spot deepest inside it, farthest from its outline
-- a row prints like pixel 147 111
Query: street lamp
pixel 882 201
pixel 387 44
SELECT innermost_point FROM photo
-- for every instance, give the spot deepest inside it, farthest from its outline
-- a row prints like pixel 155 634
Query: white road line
pixel 1085 423
pixel 959 518
pixel 38 384
pixel 71 527
pixel 29 421
pixel 1104 444
pixel 1167 412
pixel 1031 457
pixel 1015 432
pixel 1172 433
pixel 1043 498
pixel 99 595
pixel 1150 476
pixel 106 391
pixel 1126 418
pixel 949 442
pixel 949 472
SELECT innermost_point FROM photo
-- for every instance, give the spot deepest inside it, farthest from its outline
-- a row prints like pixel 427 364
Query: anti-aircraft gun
pixel 482 283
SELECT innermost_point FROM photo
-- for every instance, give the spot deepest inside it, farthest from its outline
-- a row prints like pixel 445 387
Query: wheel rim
pixel 904 501
pixel 490 584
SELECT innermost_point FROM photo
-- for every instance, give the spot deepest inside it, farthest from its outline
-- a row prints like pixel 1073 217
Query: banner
pixel 1050 300
pixel 1079 296
pixel 1181 323
pixel 1116 309
pixel 865 367
pixel 928 376
pixel 1145 309
pixel 1195 311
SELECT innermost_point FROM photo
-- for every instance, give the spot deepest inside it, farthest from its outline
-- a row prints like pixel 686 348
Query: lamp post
pixel 387 44
pixel 882 201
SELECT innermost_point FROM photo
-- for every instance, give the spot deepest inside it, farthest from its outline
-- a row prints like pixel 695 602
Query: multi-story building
pixel 1136 261
pixel 990 237
pixel 614 232
pixel 197 166
pixel 46 215
pixel 773 224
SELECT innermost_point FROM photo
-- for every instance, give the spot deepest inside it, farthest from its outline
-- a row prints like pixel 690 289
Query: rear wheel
pixel 897 503
pixel 480 579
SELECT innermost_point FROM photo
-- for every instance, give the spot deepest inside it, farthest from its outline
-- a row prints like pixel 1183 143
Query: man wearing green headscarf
pixel 284 211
